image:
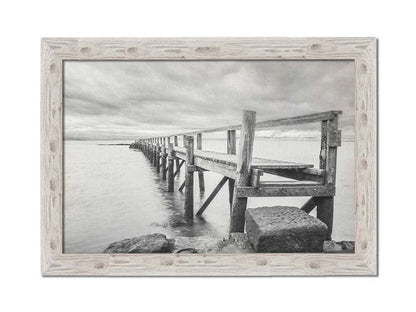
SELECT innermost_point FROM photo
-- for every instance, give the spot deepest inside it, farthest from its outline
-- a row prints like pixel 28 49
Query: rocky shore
pixel 235 243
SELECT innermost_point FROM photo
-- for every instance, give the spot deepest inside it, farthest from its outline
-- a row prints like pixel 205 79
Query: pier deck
pixel 226 164
pixel 244 173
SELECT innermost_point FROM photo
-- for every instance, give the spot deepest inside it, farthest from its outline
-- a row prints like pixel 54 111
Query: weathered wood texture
pixel 175 143
pixel 170 167
pixel 323 155
pixel 189 178
pixel 201 179
pixel 231 149
pixel 158 158
pixel 226 164
pixel 325 205
pixel 309 205
pixel 242 179
pixel 274 123
pixel 284 190
pixel 325 212
pixel 164 157
pixel 363 51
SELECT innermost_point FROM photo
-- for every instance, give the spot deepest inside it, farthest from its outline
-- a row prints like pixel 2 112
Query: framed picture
pixel 209 156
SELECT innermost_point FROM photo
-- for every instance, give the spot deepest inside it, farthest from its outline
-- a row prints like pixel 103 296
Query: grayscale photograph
pixel 221 157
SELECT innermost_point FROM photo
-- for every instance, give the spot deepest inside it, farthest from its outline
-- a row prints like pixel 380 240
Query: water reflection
pixel 174 203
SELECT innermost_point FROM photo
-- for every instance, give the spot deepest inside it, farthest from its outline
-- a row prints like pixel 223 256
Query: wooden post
pixel 325 212
pixel 325 205
pixel 147 149
pixel 231 149
pixel 189 177
pixel 200 172
pixel 163 169
pixel 243 170
pixel 324 145
pixel 150 151
pixel 175 142
pixel 170 167
pixel 157 157
pixel 154 152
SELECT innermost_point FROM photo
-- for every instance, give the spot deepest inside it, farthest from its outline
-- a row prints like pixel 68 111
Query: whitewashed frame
pixel 55 50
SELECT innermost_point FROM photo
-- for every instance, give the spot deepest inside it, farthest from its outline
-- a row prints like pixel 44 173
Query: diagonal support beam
pixel 178 168
pixel 182 186
pixel 309 205
pixel 212 196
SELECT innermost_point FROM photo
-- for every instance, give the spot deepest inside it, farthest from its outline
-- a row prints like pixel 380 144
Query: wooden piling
pixel 154 153
pixel 175 142
pixel 170 167
pixel 163 169
pixel 231 149
pixel 200 172
pixel 157 157
pixel 239 204
pixel 325 212
pixel 189 177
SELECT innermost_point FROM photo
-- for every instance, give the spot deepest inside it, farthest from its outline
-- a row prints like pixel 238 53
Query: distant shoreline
pixel 113 144
pixel 347 139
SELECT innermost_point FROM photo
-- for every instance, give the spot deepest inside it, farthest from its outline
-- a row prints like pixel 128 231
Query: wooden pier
pixel 244 173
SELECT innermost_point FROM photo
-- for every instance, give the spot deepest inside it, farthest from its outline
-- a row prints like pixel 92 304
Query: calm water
pixel 112 193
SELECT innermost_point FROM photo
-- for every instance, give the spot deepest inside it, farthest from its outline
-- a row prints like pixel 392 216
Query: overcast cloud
pixel 111 100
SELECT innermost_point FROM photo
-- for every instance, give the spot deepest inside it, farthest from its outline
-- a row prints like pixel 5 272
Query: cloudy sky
pixel 110 100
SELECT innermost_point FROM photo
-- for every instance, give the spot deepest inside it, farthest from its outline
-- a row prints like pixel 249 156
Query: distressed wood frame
pixel 363 51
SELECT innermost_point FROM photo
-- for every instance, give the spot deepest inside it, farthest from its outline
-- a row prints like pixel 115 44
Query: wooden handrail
pixel 318 117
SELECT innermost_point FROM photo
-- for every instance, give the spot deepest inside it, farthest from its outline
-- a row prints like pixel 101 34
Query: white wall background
pixel 22 23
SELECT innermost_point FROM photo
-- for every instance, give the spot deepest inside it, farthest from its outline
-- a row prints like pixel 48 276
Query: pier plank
pixel 285 190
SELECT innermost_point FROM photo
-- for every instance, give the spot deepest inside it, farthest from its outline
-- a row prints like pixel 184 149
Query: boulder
pixel 152 243
pixel 284 229
pixel 235 244
pixel 339 247
pixel 332 247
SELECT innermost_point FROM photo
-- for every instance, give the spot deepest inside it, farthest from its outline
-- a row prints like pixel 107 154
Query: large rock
pixel 284 229
pixel 152 243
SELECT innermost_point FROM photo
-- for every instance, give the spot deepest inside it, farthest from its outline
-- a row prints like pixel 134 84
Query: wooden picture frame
pixel 363 51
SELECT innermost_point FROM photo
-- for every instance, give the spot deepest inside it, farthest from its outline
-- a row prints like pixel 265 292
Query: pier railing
pixel 244 173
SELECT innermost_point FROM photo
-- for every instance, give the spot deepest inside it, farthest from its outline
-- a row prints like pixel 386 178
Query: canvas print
pixel 209 156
